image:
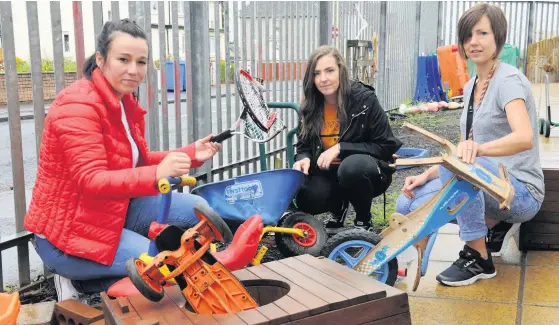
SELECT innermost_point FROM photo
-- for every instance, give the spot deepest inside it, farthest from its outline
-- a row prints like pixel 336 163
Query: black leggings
pixel 358 179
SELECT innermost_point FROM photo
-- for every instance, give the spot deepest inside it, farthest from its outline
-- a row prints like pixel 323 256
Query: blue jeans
pixel 472 220
pixel 91 277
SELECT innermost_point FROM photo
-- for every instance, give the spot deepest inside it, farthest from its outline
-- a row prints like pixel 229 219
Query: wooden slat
pixel 540 239
pixel 545 217
pixel 113 315
pixel 313 303
pixel 334 299
pixel 542 228
pixel 273 312
pixel 401 319
pixel 551 195
pixel 146 310
pixel 353 295
pixel 253 317
pixel 169 311
pixel 177 297
pixel 292 308
pixel 550 206
pixel 551 173
pixel 374 289
pixel 394 304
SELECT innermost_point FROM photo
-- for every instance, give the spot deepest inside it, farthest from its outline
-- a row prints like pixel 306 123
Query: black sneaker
pixel 498 237
pixel 336 223
pixel 367 226
pixel 467 269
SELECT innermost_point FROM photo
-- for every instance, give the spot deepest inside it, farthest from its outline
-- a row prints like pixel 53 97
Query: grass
pixel 377 210
pixel 425 120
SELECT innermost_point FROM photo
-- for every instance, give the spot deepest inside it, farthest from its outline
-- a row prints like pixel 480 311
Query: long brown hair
pixel 312 104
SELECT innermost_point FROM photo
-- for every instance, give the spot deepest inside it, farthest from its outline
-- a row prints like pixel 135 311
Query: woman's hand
pixel 302 165
pixel 206 149
pixel 468 150
pixel 412 182
pixel 175 164
pixel 326 158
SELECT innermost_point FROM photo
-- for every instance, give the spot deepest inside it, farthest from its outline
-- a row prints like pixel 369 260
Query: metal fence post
pixel 529 39
pixel 381 54
pixel 199 17
pixel 325 25
pixel 16 147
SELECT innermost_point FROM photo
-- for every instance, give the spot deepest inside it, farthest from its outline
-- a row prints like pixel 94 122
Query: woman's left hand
pixel 206 149
pixel 468 151
pixel 326 158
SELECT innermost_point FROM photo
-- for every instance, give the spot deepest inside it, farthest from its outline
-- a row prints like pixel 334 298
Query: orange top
pixel 330 133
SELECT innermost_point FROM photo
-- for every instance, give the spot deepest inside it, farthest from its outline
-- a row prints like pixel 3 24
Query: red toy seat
pixel 239 254
pixel 244 245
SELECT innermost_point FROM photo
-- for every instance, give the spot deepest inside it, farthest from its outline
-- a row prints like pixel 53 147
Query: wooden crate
pixel 542 232
pixel 312 290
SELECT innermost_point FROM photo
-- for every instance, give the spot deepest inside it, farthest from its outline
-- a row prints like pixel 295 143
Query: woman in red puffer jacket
pixel 95 194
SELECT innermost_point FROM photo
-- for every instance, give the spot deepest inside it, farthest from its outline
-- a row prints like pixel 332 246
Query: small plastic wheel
pixel 541 124
pixel 292 245
pixel 147 287
pixel 350 246
pixel 220 228
pixel 547 129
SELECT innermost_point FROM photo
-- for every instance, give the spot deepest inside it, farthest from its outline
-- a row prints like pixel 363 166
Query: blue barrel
pixel 170 71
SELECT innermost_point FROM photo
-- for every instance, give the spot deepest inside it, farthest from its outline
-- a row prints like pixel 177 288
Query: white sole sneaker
pixel 64 288
pixel 512 231
pixel 481 276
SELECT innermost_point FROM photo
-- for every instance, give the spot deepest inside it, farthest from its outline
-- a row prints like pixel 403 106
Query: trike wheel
pixel 541 124
pixel 292 245
pixel 547 128
pixel 350 246
pixel 220 228
pixel 147 287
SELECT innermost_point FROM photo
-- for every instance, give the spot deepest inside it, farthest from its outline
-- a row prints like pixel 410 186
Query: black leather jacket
pixel 365 131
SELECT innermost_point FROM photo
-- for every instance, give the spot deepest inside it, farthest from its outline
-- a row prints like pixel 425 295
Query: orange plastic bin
pixel 454 69
pixel 9 308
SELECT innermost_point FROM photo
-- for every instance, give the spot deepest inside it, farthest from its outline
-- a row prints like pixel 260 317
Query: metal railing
pixel 211 39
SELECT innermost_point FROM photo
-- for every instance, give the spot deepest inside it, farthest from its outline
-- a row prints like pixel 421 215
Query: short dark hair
pixel 103 43
pixel 472 16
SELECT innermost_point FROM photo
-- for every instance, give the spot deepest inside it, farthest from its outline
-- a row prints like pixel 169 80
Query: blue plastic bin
pixel 170 71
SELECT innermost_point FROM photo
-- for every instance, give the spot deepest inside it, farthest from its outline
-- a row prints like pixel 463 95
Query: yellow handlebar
pixel 165 187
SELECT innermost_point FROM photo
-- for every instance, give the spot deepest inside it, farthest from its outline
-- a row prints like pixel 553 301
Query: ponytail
pixel 89 65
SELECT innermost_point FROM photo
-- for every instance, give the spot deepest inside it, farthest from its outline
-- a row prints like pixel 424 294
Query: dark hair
pixel 472 16
pixel 103 43
pixel 312 105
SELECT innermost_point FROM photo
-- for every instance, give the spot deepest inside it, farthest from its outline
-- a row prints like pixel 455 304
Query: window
pixel 66 38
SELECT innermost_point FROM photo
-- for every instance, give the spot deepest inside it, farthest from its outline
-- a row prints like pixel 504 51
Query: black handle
pixel 222 136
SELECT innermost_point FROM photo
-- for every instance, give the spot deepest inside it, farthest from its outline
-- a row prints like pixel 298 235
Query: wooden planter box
pixel 296 290
pixel 542 232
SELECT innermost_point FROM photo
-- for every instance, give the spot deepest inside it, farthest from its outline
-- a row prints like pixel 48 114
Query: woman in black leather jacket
pixel 345 142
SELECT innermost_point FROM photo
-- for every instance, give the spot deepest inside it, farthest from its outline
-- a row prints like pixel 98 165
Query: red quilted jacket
pixel 85 177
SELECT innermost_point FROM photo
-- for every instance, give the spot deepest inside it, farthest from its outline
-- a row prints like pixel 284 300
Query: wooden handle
pixel 449 147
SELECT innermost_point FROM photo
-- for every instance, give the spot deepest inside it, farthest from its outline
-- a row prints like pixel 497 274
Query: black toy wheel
pixel 541 124
pixel 350 246
pixel 547 129
pixel 292 245
pixel 147 287
pixel 220 228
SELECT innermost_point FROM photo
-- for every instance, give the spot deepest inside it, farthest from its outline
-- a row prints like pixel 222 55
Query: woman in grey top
pixel 498 125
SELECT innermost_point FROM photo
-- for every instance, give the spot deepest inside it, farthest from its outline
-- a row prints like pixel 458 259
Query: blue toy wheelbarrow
pixel 268 194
